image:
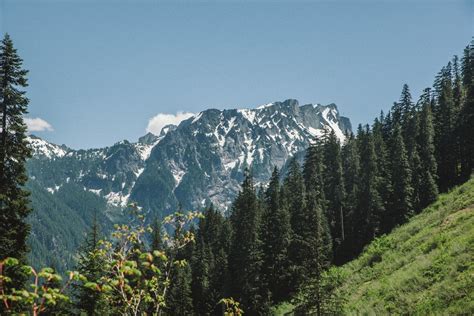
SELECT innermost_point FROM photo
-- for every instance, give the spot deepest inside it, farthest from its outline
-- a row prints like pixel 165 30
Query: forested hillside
pixel 423 267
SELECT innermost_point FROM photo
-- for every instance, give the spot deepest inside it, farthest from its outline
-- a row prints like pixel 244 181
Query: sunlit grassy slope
pixel 423 267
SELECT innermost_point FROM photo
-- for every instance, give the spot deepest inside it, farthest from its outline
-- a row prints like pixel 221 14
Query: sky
pixel 104 71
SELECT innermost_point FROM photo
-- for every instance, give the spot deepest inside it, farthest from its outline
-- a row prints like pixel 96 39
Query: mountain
pixel 200 161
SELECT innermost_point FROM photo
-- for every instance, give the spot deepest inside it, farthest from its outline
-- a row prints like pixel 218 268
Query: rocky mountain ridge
pixel 200 161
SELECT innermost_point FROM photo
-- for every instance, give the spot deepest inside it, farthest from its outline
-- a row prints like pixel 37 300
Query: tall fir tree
pixel 351 174
pixel 275 234
pixel 401 206
pixel 465 130
pixel 383 161
pixel 14 151
pixel 295 199
pixel 157 235
pixel 446 149
pixel 428 189
pixel 412 130
pixel 91 265
pixel 200 284
pixel 179 299
pixel 334 188
pixel 317 235
pixel 370 208
pixel 209 264
pixel 245 258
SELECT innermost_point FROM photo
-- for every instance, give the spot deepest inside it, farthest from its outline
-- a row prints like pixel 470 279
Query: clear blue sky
pixel 100 71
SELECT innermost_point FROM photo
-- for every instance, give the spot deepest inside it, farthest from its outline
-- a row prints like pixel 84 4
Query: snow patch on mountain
pixel 41 147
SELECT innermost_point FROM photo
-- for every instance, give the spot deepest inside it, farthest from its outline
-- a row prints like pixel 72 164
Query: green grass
pixel 423 267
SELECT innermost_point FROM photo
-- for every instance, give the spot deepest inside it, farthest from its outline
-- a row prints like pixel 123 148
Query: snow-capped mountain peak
pixel 202 159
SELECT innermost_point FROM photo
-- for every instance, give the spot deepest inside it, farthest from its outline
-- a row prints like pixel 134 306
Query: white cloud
pixel 157 122
pixel 38 125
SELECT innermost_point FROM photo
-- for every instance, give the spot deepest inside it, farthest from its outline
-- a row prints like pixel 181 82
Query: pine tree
pixel 351 174
pixel 275 235
pixel 427 190
pixel 401 202
pixel 370 208
pixel 465 130
pixel 317 236
pixel 91 265
pixel 14 151
pixel 334 188
pixel 446 149
pixel 245 256
pixel 157 235
pixel 200 284
pixel 179 301
pixel 319 252
pixel 381 138
pixel 406 105
pixel 412 131
pixel 295 199
pixel 209 264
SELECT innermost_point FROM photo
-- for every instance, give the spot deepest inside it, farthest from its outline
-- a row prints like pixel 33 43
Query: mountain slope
pixel 200 161
pixel 203 159
pixel 423 267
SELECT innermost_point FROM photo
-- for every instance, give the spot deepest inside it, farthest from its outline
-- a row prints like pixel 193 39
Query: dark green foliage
pixel 370 209
pixel 445 118
pixel 209 264
pixel 14 151
pixel 275 236
pixel 294 192
pixel 381 137
pixel 465 126
pixel 401 203
pixel 157 235
pixel 179 301
pixel 245 257
pixel 351 174
pixel 427 188
pixel 91 265
pixel 334 188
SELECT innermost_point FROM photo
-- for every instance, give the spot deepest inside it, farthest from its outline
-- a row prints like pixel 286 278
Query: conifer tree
pixel 295 199
pixel 406 105
pixel 370 209
pixel 91 265
pixel 317 236
pixel 465 131
pixel 351 173
pixel 446 150
pixel 427 188
pixel 179 301
pixel 334 188
pixel 157 235
pixel 401 202
pixel 318 239
pixel 245 255
pixel 383 162
pixel 275 234
pixel 411 139
pixel 209 264
pixel 14 151
pixel 201 278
